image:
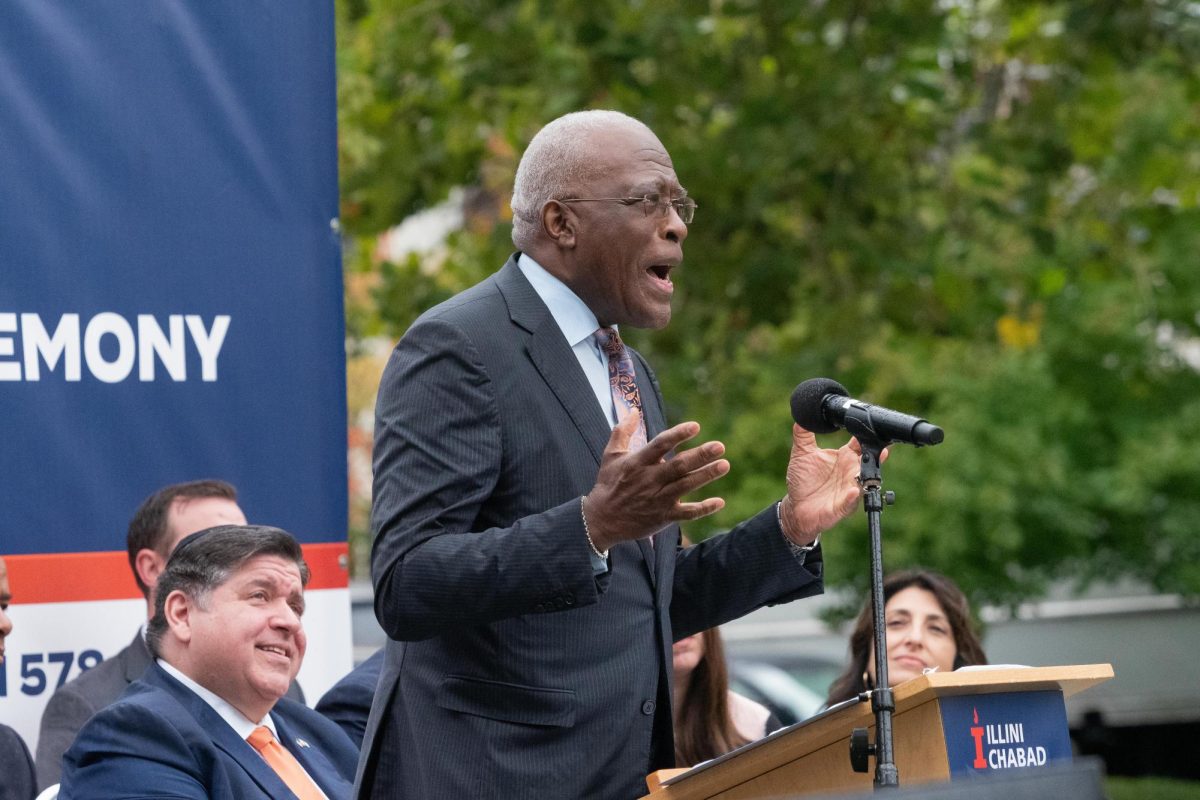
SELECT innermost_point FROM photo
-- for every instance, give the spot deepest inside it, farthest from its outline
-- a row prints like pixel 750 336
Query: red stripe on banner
pixel 71 577
pixel 329 564
pixel 80 577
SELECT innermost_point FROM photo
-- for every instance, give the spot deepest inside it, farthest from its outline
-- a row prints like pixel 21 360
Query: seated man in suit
pixel 209 719
pixel 348 702
pixel 160 522
pixel 16 767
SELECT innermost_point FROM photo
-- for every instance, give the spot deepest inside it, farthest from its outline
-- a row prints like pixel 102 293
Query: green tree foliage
pixel 985 212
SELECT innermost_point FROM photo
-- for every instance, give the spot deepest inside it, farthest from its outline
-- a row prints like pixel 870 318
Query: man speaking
pixel 527 500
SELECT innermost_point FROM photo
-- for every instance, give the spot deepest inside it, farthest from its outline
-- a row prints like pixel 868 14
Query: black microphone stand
pixel 883 702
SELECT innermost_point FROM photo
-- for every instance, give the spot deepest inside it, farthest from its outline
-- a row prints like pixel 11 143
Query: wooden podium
pixel 947 726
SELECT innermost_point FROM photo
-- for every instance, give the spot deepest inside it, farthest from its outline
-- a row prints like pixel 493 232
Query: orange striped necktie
pixel 285 764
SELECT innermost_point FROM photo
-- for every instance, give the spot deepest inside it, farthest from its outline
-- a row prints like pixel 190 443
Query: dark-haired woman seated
pixel 928 624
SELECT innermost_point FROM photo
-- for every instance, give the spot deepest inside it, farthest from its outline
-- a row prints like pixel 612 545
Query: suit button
pixel 539 608
pixel 570 600
pixel 648 707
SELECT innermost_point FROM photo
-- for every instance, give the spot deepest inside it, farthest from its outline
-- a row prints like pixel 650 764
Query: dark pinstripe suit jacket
pixel 517 672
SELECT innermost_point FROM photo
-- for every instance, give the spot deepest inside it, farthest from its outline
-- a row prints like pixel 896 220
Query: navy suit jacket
pixel 161 740
pixel 515 671
pixel 75 703
pixel 81 697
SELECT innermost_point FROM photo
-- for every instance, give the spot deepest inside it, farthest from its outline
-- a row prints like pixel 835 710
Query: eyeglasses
pixel 685 207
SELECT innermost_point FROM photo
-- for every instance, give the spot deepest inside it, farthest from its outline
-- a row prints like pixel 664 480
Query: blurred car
pixel 793 686
pixel 785 657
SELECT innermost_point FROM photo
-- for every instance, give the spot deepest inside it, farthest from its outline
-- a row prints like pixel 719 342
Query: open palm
pixel 822 486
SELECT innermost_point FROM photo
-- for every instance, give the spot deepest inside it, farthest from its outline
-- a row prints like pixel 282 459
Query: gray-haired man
pixel 528 492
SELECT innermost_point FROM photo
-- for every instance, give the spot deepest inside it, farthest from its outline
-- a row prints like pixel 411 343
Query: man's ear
pixel 149 565
pixel 558 221
pixel 178 612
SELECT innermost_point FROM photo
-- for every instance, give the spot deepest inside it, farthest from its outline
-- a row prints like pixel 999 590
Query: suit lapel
pixel 240 751
pixel 560 369
pixel 313 760
pixel 552 358
pixel 223 736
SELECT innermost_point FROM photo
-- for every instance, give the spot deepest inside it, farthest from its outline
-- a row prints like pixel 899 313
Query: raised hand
pixel 638 493
pixel 822 486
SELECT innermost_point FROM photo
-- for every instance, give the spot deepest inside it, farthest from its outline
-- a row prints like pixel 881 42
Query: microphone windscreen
pixel 807 402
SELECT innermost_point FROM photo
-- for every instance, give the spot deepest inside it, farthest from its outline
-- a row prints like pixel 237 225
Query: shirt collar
pixel 242 726
pixel 574 318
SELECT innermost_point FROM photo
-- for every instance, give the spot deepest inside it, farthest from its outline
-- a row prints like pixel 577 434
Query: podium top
pixel 835 723
pixel 1069 680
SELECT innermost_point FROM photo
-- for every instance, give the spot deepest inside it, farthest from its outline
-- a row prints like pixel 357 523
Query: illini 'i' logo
pixel 1002 746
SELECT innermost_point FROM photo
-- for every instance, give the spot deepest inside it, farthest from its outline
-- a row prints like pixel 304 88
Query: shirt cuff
pixel 599 565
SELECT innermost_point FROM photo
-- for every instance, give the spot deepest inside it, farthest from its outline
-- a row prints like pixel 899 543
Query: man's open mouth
pixel 661 271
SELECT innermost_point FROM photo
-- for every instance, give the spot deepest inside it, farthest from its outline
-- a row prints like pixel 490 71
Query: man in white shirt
pixel 527 494
pixel 209 719
pixel 160 523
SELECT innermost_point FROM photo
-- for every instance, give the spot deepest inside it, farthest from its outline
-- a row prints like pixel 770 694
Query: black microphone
pixel 822 405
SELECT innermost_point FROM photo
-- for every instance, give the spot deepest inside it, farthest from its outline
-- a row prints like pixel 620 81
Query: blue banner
pixel 170 278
